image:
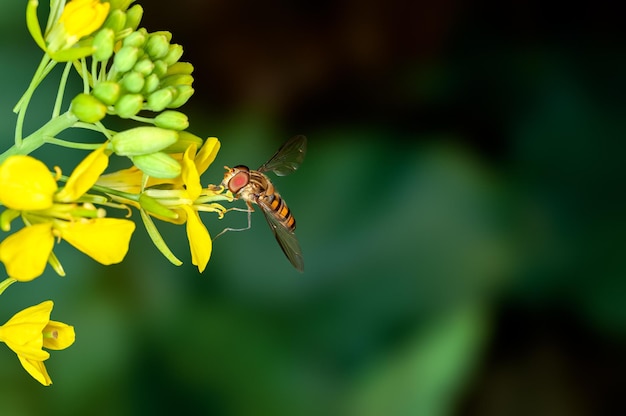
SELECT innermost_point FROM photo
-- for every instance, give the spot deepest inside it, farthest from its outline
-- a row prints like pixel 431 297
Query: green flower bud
pixel 174 54
pixel 116 20
pixel 176 80
pixel 152 83
pixel 136 39
pixel 166 33
pixel 180 68
pixel 185 139
pixel 142 140
pixel 183 94
pixel 157 46
pixel 133 82
pixel 103 42
pixel 125 58
pixel 160 99
pixel 158 165
pixel 108 92
pixel 129 105
pixel 144 66
pixel 133 16
pixel 120 4
pixel 88 108
pixel 174 120
pixel 160 68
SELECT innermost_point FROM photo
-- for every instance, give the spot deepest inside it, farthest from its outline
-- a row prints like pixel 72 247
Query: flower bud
pixel 185 139
pixel 160 99
pixel 180 68
pixel 103 42
pixel 88 108
pixel 116 20
pixel 133 82
pixel 129 105
pixel 120 4
pixel 183 94
pixel 174 54
pixel 174 120
pixel 144 66
pixel 176 80
pixel 136 39
pixel 133 16
pixel 160 68
pixel 151 84
pixel 125 58
pixel 158 165
pixel 157 46
pixel 142 140
pixel 108 92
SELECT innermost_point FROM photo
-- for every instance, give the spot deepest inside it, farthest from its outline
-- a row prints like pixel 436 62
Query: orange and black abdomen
pixel 280 210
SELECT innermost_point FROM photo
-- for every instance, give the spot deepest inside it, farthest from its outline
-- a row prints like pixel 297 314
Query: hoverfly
pixel 254 187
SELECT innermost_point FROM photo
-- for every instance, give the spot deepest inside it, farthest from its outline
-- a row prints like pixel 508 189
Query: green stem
pixel 38 138
pixel 59 100
pixel 71 145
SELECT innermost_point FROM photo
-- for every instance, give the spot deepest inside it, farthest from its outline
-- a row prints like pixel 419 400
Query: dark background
pixel 460 210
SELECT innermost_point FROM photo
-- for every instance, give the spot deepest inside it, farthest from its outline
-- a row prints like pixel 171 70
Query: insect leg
pixel 249 210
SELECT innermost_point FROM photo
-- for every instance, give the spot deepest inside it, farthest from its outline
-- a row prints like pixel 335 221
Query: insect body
pixel 254 187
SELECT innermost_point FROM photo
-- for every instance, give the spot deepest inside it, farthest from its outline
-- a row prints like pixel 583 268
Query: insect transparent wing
pixel 288 158
pixel 286 238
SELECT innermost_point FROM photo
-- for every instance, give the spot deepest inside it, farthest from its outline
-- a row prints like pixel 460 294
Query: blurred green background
pixel 460 209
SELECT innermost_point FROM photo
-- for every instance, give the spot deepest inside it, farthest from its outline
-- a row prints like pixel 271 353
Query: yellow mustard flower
pixel 56 214
pixel 79 19
pixel 30 330
pixel 183 195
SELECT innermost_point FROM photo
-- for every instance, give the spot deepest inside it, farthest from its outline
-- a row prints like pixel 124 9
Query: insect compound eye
pixel 238 181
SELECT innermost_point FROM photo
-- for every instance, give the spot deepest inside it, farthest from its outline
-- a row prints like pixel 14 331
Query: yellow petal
pixel 200 243
pixel 36 369
pixel 58 336
pixel 26 183
pixel 23 333
pixel 190 175
pixel 84 176
pixel 83 17
pixel 25 253
pixel 207 154
pixel 103 239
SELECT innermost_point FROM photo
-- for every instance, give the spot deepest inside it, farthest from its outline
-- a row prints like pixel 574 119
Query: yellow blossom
pixel 79 19
pixel 183 195
pixel 28 331
pixel 26 252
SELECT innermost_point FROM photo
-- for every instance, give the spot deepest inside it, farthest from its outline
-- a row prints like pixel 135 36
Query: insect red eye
pixel 238 181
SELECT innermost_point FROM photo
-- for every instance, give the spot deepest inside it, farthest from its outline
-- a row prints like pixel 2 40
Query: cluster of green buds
pixel 130 73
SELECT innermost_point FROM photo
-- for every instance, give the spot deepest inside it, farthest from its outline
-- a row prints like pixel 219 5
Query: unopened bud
pixel 133 82
pixel 158 165
pixel 174 120
pixel 176 80
pixel 142 140
pixel 120 4
pixel 152 83
pixel 174 54
pixel 157 46
pixel 144 66
pixel 129 105
pixel 183 94
pixel 103 41
pixel 125 58
pixel 108 92
pixel 180 68
pixel 136 39
pixel 116 20
pixel 133 16
pixel 160 68
pixel 160 99
pixel 88 108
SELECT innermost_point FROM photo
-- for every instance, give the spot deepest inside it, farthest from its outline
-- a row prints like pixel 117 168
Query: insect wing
pixel 288 158
pixel 286 238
